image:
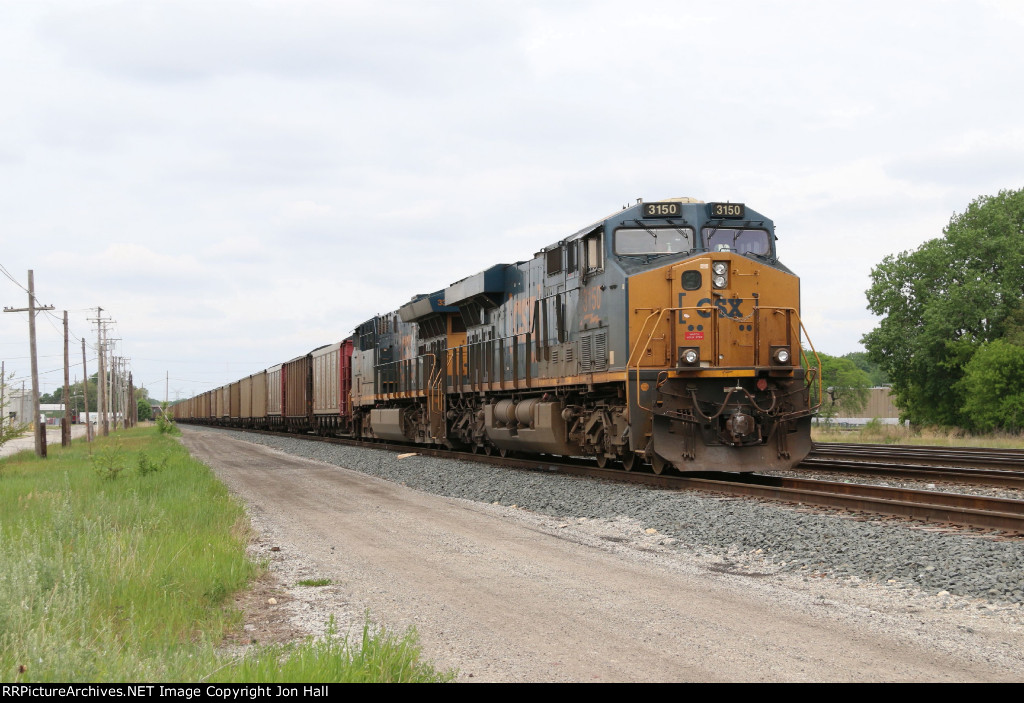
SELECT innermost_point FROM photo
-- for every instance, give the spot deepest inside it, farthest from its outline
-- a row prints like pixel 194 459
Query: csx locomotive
pixel 666 335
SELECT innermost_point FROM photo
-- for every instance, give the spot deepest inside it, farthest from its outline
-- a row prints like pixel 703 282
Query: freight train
pixel 666 336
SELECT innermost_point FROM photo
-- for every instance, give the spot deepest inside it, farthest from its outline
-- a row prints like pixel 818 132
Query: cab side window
pixel 593 252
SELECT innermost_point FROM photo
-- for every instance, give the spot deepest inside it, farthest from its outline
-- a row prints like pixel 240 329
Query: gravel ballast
pixel 983 570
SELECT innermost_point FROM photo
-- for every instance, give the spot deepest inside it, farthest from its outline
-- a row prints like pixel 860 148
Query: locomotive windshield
pixel 653 240
pixel 741 241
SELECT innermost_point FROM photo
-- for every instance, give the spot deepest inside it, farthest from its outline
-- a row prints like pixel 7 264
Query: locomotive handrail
pixel 481 344
pixel 407 364
pixel 803 355
pixel 659 313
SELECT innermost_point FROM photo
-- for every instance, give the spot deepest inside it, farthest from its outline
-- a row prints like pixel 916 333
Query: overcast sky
pixel 238 182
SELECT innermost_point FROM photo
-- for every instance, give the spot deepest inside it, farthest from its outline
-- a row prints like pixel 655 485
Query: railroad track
pixel 977 457
pixel 985 512
pixel 975 466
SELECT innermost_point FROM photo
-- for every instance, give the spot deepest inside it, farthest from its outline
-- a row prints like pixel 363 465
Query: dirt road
pixel 506 595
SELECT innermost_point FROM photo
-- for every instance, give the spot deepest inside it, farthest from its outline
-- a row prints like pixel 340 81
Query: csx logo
pixel 727 307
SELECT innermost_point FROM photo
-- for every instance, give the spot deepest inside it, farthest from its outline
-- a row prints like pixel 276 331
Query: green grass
pixel 378 657
pixel 119 565
pixel 314 582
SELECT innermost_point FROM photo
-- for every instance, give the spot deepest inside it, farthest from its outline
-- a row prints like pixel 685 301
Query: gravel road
pixel 548 578
pixel 28 442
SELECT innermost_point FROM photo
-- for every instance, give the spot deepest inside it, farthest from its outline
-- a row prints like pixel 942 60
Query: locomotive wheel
pixel 474 448
pixel 488 449
pixel 503 453
pixel 630 461
pixel 658 464
pixel 602 461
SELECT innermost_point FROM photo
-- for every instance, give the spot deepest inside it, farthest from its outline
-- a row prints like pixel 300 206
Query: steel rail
pixel 973 476
pixel 911 454
pixel 929 506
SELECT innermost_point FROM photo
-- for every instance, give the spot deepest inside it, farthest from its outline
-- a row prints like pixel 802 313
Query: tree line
pixel 77 396
pixel 951 337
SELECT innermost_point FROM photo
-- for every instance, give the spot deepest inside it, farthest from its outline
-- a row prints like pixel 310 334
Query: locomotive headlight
pixel 780 356
pixel 719 274
pixel 688 356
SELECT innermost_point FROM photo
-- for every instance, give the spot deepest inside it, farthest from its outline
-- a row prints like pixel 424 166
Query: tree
pixel 941 302
pixel 993 386
pixel 8 428
pixel 876 374
pixel 145 410
pixel 844 386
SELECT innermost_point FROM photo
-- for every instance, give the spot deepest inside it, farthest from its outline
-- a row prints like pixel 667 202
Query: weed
pixel 378 656
pixel 314 582
pixel 147 466
pixel 166 425
pixel 109 461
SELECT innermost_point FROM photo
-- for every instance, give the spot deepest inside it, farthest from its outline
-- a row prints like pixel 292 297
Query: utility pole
pixel 110 389
pixel 117 389
pixel 85 392
pixel 133 407
pixel 113 395
pixel 65 425
pixel 102 405
pixel 32 309
pixel 126 385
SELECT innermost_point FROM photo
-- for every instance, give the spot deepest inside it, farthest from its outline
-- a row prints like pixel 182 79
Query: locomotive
pixel 665 336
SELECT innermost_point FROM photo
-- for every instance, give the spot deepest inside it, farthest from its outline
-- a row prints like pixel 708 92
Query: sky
pixel 237 182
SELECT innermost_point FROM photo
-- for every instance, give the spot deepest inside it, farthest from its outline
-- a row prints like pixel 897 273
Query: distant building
pixel 53 412
pixel 18 406
pixel 879 406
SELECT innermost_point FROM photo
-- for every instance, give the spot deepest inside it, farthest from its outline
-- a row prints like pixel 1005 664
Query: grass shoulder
pixel 877 433
pixel 120 560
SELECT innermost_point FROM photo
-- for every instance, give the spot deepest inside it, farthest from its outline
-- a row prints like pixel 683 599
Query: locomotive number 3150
pixel 662 209
pixel 727 209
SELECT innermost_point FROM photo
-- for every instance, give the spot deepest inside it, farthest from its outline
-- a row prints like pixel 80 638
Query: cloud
pixel 410 43
pixel 990 163
pixel 242 181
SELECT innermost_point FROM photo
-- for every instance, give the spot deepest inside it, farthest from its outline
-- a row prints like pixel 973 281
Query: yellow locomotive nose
pixel 719 311
pixel 716 336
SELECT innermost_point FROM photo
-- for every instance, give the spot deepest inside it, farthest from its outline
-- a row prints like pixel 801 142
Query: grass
pixel 314 582
pixel 379 656
pixel 877 433
pixel 119 564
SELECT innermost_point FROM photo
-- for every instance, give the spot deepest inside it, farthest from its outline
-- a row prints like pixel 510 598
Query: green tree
pixel 145 410
pixel 941 302
pixel 8 428
pixel 876 374
pixel 844 386
pixel 993 386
